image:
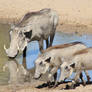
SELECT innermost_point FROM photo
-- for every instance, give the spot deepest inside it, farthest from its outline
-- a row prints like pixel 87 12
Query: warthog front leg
pixel 52 38
pixel 76 79
pixel 82 79
pixel 47 43
pixel 24 58
pixel 41 45
pixel 52 73
pixel 87 75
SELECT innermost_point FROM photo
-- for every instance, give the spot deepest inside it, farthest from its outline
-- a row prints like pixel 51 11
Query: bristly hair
pixel 30 14
pixel 82 51
pixel 61 46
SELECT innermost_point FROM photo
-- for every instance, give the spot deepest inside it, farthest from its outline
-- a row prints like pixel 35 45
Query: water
pixel 4 39
pixel 33 48
pixel 60 38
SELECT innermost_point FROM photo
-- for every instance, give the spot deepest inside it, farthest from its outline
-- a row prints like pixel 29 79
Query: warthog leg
pixel 41 45
pixel 47 43
pixel 53 73
pixel 81 77
pixel 87 75
pixel 76 79
pixel 52 37
pixel 24 58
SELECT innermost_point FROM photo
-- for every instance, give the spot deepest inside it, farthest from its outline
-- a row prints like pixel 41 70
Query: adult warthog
pixel 39 26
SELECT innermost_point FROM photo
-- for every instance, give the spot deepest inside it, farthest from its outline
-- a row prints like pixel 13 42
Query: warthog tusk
pixel 5 48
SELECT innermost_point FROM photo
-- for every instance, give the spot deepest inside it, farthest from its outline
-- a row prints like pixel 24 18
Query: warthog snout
pixel 10 53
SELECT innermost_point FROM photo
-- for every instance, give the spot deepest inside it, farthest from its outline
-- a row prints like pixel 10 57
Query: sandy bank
pixel 70 11
pixel 31 88
pixel 75 15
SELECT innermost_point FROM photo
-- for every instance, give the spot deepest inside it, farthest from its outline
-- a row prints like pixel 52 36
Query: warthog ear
pixel 72 65
pixel 48 60
pixel 28 34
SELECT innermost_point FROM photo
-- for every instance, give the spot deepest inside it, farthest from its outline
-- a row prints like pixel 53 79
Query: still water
pixel 33 48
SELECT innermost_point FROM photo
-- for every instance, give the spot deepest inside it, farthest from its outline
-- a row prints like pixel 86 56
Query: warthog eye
pixel 40 63
pixel 28 34
pixel 66 67
pixel 20 33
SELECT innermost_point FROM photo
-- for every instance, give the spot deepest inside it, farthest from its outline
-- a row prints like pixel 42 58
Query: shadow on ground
pixel 62 85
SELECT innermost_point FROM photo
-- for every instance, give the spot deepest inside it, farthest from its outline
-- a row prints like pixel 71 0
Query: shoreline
pixel 62 27
pixel 32 88
pixel 75 28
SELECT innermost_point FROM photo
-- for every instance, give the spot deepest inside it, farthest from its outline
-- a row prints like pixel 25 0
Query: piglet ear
pixel 72 65
pixel 48 60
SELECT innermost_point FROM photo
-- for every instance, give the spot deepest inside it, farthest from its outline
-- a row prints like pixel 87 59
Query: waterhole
pixel 33 48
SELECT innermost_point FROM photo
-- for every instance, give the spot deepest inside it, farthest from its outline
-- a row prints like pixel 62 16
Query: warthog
pixel 51 59
pixel 34 26
pixel 17 72
pixel 82 60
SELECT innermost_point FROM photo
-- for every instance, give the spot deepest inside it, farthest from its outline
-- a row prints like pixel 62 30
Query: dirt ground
pixel 40 86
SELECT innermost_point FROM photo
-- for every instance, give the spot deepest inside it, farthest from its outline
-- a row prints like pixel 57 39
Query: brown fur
pixel 81 52
pixel 61 46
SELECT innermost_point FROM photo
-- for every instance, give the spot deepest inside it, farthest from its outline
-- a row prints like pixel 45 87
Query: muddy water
pixel 4 39
pixel 33 48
